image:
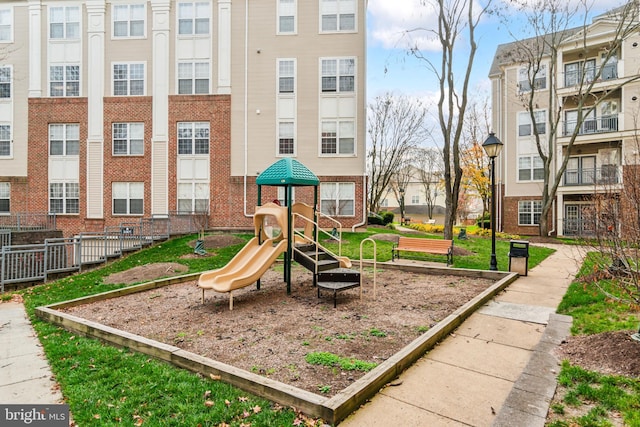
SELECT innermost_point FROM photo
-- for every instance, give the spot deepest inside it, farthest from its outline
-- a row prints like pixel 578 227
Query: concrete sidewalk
pixel 496 369
pixel 25 376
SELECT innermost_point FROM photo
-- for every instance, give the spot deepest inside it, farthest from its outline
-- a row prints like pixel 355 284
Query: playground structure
pixel 297 239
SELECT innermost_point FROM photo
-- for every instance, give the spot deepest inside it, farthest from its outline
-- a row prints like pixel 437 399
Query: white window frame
pixel 132 191
pixel 287 9
pixel 533 163
pixel 70 28
pixel 524 122
pixel 531 208
pixel 182 16
pixel 129 134
pixel 195 132
pixel 65 82
pixel 6 82
pixel 286 131
pixel 341 12
pixel 195 73
pixel 282 194
pixel 133 75
pixel 338 70
pixel 68 136
pixel 6 140
pixel 337 193
pixel 540 80
pixel 339 128
pixel 5 198
pixel 287 70
pixel 415 199
pixel 68 194
pixel 130 10
pixel 196 194
pixel 6 25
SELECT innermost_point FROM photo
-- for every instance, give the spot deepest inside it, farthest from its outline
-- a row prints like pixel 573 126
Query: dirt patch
pixel 146 273
pixel 270 332
pixel 218 241
pixel 611 353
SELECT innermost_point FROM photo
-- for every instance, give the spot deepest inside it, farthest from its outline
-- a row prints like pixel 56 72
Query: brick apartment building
pixel 606 144
pixel 122 109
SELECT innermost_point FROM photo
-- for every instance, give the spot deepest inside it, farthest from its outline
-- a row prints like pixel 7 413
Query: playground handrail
pixel 314 240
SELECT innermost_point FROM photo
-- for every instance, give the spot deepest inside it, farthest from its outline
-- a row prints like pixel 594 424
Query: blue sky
pixel 389 68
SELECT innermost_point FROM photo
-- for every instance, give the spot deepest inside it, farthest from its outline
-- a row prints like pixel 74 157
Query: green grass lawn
pixel 106 386
pixel 602 398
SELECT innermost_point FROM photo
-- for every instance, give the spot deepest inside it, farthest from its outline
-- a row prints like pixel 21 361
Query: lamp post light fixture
pixel 492 146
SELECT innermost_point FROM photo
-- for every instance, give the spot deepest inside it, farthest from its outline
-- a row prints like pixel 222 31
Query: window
pixel 193 197
pixel 128 79
pixel 64 80
pixel 128 20
pixel 193 78
pixel 128 139
pixel 5 140
pixel 530 168
pixel 128 198
pixel 525 126
pixel 580 170
pixel 193 18
pixel 64 140
pixel 64 197
pixel 64 22
pixel 286 141
pixel 529 212
pixel 6 25
pixel 338 15
pixel 415 200
pixel 286 16
pixel 286 76
pixel 338 75
pixel 282 193
pixel 539 78
pixel 5 82
pixel 338 137
pixel 577 73
pixel 193 138
pixel 5 197
pixel 337 198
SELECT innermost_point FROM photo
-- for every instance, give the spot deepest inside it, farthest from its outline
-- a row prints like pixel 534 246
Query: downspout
pixel 364 204
pixel 364 155
pixel 246 106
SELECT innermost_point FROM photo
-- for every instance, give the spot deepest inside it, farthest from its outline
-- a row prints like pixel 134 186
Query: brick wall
pixel 42 112
pixel 510 218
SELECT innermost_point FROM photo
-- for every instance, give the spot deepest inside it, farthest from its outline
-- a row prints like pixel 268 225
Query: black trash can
pixel 519 257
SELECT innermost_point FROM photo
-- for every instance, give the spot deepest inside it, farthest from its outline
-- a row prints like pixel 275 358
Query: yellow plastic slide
pixel 244 269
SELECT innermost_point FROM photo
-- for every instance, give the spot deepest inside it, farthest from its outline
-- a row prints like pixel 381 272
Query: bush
pixel 387 217
pixel 375 219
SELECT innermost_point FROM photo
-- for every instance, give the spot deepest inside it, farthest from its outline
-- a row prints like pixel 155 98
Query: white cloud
pixel 391 23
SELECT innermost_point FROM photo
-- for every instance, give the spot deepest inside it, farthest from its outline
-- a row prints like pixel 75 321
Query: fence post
pixel 2 265
pixel 45 263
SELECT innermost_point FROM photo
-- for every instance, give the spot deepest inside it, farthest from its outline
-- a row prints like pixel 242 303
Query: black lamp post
pixel 492 146
pixel 401 191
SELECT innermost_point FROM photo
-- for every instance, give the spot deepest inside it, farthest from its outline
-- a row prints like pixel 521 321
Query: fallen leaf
pixel 227 402
pixel 139 422
pixel 257 409
pixel 207 394
pixel 96 416
pixel 243 399
pixel 209 403
pixel 214 377
pixel 245 414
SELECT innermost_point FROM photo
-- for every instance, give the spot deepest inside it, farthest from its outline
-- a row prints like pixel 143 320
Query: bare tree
pixel 396 126
pixel 457 22
pixel 428 163
pixel 475 162
pixel 540 55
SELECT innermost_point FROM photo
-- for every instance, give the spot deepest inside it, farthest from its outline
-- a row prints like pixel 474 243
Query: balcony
pixel 592 125
pixel 573 76
pixel 607 174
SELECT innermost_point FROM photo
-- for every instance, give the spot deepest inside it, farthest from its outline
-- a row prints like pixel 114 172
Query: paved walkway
pixel 496 369
pixel 25 376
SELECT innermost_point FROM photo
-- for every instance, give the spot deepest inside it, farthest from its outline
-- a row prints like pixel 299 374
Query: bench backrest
pixel 424 243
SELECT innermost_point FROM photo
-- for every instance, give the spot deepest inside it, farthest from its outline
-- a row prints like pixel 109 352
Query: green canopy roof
pixel 287 171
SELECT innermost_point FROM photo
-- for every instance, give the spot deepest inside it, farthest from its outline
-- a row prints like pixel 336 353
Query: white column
pixel 160 93
pixel 35 49
pixel 95 113
pixel 224 47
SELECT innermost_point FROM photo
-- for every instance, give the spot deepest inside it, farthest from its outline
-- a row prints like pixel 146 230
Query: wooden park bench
pixel 428 246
